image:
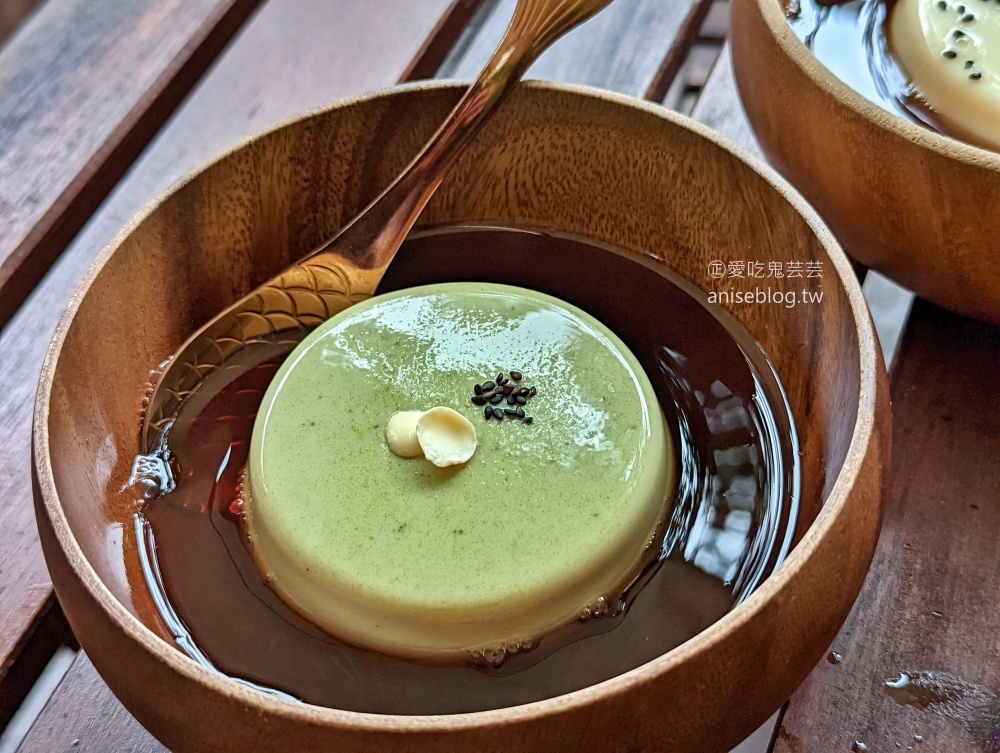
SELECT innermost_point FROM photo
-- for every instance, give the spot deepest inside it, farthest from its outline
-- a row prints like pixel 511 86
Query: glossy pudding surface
pixel 546 520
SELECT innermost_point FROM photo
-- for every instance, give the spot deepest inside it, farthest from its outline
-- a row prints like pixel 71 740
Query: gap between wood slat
pixel 64 715
pixel 632 47
pixel 12 15
pixel 442 40
pixel 678 52
pixel 719 107
pixel 24 264
pixel 927 604
pixel 52 675
pixel 295 55
pixel 30 656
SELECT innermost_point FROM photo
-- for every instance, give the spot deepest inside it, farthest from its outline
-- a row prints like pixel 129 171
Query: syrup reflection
pixel 737 491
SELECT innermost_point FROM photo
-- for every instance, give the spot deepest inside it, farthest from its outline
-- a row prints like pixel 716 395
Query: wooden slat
pixel 442 40
pixel 926 605
pixel 929 604
pixel 30 656
pixel 631 47
pixel 84 85
pixel 12 14
pixel 719 105
pixel 77 94
pixel 294 55
pixel 627 67
pixel 88 720
pixel 716 24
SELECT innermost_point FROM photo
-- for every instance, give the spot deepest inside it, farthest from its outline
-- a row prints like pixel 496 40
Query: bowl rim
pixel 355 721
pixel 774 18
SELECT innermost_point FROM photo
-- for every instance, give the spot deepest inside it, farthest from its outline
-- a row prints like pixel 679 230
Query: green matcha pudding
pixel 383 505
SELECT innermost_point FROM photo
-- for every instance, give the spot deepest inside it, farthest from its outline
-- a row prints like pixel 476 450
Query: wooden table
pixel 105 103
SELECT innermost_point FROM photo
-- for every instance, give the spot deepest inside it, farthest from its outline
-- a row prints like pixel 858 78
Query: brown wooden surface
pixel 719 105
pixel 630 67
pixel 72 106
pixel 947 443
pixel 30 656
pixel 294 55
pixel 85 84
pixel 929 604
pixel 453 24
pixel 12 13
pixel 902 199
pixel 631 47
pixel 938 553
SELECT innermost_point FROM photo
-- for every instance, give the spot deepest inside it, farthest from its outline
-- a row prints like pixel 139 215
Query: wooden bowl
pixel 901 198
pixel 567 159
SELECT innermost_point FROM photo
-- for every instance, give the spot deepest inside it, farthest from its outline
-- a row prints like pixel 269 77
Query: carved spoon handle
pixel 349 267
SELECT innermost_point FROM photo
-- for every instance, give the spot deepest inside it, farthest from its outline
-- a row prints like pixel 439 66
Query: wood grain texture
pixel 30 657
pixel 294 55
pixel 79 84
pixel 719 105
pixel 581 164
pixel 902 199
pixel 450 28
pixel 623 48
pixel 84 85
pixel 12 14
pixel 287 39
pixel 929 603
pixel 81 89
pixel 91 720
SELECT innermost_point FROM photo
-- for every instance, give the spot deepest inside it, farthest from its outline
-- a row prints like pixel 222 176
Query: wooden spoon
pixel 349 267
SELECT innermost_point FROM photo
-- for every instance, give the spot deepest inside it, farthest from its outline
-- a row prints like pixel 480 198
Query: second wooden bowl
pixel 902 199
pixel 565 159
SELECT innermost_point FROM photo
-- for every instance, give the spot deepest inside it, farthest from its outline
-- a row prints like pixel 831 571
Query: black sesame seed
pixel 496 399
pixel 528 420
pixel 498 414
pixel 532 392
pixel 967 18
pixel 516 391
pixel 942 5
pixel 968 64
pixel 519 399
pixel 478 389
pixel 975 76
pixel 488 386
pixel 958 33
pixel 488 413
pixel 479 400
pixel 950 54
pixel 516 376
pixel 511 399
pixel 510 411
pixel 501 379
pixel 519 413
pixel 960 8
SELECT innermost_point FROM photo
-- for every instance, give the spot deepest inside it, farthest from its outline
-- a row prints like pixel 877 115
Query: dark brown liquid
pixel 852 40
pixel 736 499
